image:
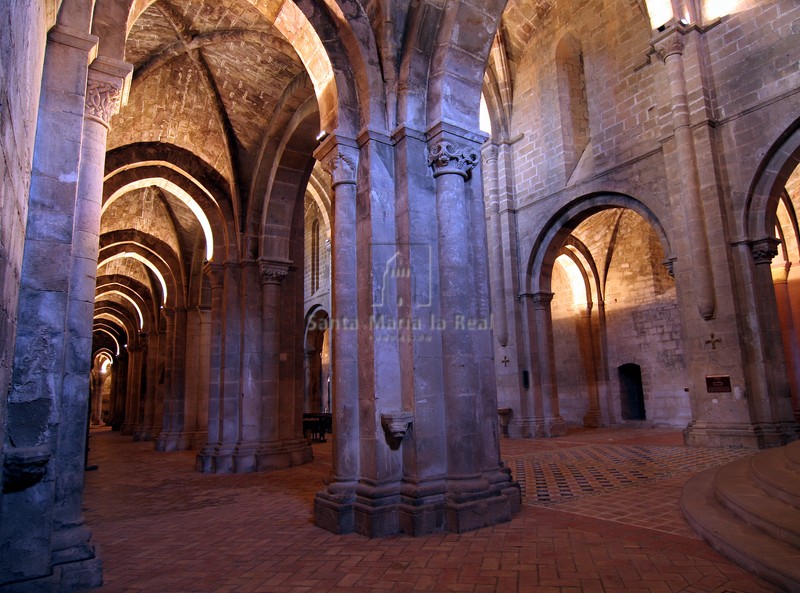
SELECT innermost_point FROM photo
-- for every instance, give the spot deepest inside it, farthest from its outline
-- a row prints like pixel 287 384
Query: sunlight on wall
pixel 576 281
pixel 713 9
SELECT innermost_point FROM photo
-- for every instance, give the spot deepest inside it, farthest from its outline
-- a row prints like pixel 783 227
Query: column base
pixel 253 457
pixel 418 508
pixel 280 454
pixel 537 428
pixel 143 433
pixel 65 578
pixel 180 441
pixel 756 435
pixel 333 508
pixel 215 459
pixel 592 419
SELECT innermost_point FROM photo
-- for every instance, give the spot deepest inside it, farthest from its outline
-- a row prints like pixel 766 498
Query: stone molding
pixel 764 250
pixel 447 157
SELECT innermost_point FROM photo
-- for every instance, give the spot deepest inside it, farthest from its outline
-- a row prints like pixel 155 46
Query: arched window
pixel 315 256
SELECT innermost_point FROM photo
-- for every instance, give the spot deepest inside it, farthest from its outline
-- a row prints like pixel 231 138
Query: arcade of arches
pixel 221 215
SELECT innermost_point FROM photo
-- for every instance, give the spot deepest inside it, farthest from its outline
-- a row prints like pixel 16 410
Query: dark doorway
pixel 631 392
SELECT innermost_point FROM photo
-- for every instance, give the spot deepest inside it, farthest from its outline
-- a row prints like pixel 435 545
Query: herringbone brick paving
pixel 164 528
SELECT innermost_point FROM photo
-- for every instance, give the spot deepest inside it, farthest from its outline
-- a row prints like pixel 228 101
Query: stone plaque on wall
pixel 718 383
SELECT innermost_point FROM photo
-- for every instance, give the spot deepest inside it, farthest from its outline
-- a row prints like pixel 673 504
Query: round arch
pixel 548 244
pixel 761 205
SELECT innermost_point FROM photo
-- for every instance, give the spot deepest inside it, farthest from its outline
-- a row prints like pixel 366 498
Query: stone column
pixel 172 413
pixel 775 403
pixel 270 454
pixel 490 178
pixel 147 432
pixel 333 507
pixel 48 402
pixel 548 383
pixel 142 430
pixel 244 457
pixel 670 47
pixel 96 385
pixel 475 493
pixel 183 436
pixel 119 394
pixel 206 457
pixel 131 425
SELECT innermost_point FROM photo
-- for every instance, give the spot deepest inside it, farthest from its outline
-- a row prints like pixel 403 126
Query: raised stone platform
pixel 749 510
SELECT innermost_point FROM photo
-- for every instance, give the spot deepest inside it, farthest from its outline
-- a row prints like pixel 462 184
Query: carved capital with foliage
pixel 445 156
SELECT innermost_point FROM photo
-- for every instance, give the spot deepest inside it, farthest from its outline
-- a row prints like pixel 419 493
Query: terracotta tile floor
pixel 600 516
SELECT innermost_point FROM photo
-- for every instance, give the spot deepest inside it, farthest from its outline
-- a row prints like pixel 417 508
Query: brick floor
pixel 163 528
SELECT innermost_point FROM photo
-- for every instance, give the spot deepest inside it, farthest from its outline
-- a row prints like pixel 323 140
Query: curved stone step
pixel 792 452
pixel 752 549
pixel 739 494
pixel 773 472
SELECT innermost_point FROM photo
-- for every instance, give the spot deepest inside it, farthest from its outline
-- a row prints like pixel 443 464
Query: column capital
pixel 542 299
pixel 107 88
pixel 446 156
pixel 339 157
pixel 273 272
pixel 490 153
pixel 670 43
pixel 764 250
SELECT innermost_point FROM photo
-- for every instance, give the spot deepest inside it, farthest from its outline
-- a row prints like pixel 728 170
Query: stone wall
pixel 22 42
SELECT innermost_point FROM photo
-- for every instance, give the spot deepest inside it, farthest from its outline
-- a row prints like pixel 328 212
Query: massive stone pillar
pixel 119 391
pixel 172 417
pixel 134 398
pixel 216 456
pixel 148 403
pixel 141 430
pixel 415 413
pixel 252 357
pixel 45 543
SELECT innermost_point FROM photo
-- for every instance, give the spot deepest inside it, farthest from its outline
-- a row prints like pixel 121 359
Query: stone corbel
pixel 24 467
pixel 396 424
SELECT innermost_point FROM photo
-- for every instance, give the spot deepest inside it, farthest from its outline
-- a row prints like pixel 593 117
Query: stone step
pixel 736 491
pixel 777 475
pixel 752 549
